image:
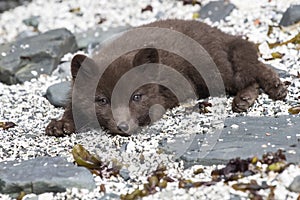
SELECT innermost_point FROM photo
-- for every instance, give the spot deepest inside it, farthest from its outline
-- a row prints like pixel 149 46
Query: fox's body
pixel 235 58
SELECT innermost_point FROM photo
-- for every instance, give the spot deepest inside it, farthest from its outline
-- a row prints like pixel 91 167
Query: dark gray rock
pixel 43 174
pixel 124 173
pixel 27 58
pixel 25 34
pixel 216 10
pixel 7 5
pixel 57 94
pixel 123 147
pixel 295 185
pixel 95 36
pixel 63 70
pixel 110 196
pixel 291 16
pixel 281 73
pixel 247 140
pixel 235 197
pixel 32 21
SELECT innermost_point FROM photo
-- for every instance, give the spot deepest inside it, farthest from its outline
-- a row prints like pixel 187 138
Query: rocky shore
pixel 37 42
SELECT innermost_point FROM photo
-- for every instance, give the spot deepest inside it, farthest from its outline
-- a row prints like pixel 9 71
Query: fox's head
pixel 133 105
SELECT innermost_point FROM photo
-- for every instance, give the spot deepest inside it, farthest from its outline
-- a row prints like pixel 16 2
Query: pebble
pixel 130 146
pixel 234 126
pixel 295 185
pixel 124 173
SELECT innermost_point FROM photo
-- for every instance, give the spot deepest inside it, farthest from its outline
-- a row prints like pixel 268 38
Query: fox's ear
pixel 79 61
pixel 148 55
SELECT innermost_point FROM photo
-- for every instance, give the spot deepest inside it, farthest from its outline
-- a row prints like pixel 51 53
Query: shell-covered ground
pixel 25 105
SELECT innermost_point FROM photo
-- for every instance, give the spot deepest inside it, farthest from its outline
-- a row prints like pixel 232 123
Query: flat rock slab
pixel 249 136
pixel 57 94
pixel 95 36
pixel 7 5
pixel 26 58
pixel 291 16
pixel 216 10
pixel 43 174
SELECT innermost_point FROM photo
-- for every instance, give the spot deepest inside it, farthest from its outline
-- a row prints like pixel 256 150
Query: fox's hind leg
pixel 269 81
pixel 250 75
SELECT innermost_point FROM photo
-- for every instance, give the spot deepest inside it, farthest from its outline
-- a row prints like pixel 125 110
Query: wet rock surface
pixel 291 16
pixel 43 174
pixel 27 58
pixel 216 10
pixel 249 136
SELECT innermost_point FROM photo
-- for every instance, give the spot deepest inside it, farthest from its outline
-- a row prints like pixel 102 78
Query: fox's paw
pixel 245 98
pixel 278 90
pixel 60 128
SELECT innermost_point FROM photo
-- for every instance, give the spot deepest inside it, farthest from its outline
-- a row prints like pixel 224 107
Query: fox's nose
pixel 123 126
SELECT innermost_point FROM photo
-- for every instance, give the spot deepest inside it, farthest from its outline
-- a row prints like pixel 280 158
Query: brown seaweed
pixel 7 125
pixel 294 40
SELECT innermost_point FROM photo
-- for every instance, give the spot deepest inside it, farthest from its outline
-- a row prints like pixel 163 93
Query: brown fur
pixel 235 58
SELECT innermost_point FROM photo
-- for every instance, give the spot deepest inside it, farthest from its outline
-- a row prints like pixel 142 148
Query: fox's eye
pixel 137 97
pixel 102 101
